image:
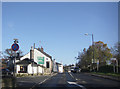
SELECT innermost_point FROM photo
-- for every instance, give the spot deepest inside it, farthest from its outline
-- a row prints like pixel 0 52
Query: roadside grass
pixel 108 74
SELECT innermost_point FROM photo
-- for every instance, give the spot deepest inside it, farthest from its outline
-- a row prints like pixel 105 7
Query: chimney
pixel 32 53
pixel 42 49
pixel 34 45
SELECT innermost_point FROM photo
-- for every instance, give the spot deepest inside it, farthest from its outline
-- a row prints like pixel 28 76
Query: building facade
pixel 34 62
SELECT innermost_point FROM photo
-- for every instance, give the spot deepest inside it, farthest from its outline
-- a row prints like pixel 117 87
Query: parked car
pixel 6 72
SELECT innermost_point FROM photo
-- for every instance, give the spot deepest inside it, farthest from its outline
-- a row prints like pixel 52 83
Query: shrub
pixel 85 70
pixel 106 69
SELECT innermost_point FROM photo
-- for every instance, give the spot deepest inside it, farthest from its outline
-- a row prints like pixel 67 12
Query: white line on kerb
pixel 76 84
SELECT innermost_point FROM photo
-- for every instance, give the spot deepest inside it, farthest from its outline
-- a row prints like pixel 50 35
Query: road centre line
pixel 71 75
pixel 76 84
pixel 43 81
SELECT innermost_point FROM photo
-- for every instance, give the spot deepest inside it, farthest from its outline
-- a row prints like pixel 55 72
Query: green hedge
pixel 106 69
pixel 85 70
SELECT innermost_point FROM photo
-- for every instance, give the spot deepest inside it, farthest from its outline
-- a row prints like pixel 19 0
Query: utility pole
pixel 93 53
pixel 117 65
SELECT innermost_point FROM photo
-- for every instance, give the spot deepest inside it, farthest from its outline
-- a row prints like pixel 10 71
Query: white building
pixel 57 67
pixel 34 62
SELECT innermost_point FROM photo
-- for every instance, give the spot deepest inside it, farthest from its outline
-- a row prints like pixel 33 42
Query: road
pixel 69 80
pixel 94 82
pixel 81 81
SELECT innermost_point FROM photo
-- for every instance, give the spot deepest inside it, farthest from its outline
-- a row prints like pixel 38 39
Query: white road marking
pixel 42 81
pixel 76 84
pixel 84 82
pixel 71 75
pixel 76 79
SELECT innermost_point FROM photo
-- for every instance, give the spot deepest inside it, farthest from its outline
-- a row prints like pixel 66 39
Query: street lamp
pixel 76 61
pixel 92 45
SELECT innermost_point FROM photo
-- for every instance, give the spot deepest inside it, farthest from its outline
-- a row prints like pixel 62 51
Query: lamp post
pixel 93 46
pixel 76 61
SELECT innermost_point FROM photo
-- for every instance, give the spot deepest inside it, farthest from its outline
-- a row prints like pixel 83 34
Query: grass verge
pixel 108 74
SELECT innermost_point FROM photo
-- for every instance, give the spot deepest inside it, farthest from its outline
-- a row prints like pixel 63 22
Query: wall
pixel 32 70
pixel 46 59
pixel 60 68
pixel 40 69
pixel 17 68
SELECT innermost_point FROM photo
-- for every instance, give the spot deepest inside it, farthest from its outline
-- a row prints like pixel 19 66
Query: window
pixel 23 69
pixel 47 64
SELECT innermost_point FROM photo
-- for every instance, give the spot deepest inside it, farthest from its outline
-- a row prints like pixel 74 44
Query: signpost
pixel 115 63
pixel 15 48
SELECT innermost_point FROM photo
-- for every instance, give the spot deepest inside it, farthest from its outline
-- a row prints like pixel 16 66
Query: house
pixel 34 62
pixel 57 67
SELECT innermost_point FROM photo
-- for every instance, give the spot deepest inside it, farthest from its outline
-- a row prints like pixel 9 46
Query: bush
pixel 85 70
pixel 106 69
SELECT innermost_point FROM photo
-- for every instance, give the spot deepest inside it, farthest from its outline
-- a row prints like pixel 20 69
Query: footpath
pixel 115 78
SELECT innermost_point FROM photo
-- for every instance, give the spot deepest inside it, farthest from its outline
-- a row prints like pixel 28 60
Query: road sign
pixel 15 47
pixel 40 60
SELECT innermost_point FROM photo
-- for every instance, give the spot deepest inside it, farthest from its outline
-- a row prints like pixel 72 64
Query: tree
pixel 101 53
pixel 10 52
pixel 10 56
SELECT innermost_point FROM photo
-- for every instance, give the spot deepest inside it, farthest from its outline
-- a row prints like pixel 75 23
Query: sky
pixel 59 27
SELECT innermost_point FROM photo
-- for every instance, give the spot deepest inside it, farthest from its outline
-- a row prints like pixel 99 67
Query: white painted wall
pixel 17 68
pixel 32 70
pixel 60 68
pixel 37 53
pixel 40 69
pixel 29 69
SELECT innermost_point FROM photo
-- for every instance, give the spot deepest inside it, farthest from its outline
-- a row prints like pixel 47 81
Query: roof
pixel 28 61
pixel 44 53
pixel 17 58
pixel 58 63
pixel 41 65
pixel 25 61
